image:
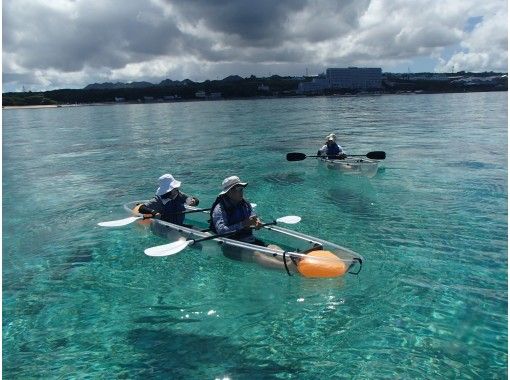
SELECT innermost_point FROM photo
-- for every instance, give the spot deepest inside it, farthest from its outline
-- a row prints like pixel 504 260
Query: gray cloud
pixel 105 36
pixel 243 22
pixel 72 43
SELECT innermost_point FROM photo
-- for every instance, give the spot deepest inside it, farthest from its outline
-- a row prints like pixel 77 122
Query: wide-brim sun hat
pixel 230 182
pixel 331 137
pixel 167 183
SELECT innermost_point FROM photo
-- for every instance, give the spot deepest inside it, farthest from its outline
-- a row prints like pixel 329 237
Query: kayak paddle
pixel 178 246
pixel 120 222
pixel 131 219
pixel 377 155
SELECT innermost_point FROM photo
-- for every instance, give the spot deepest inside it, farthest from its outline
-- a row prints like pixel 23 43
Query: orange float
pixel 321 264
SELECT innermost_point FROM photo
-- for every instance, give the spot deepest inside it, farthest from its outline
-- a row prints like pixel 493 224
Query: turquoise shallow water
pixel 81 301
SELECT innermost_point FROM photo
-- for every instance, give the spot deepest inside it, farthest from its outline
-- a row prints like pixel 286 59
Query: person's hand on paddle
pixel 192 201
pixel 154 214
pixel 148 213
pixel 252 222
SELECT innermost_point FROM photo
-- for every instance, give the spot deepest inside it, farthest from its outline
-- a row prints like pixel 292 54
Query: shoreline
pixel 59 106
pixel 361 95
pixel 27 107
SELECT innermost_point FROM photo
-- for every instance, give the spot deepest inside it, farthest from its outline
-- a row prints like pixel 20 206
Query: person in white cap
pixel 232 213
pixel 331 149
pixel 168 204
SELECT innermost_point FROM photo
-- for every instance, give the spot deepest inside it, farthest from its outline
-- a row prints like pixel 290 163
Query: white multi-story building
pixel 354 78
pixel 351 78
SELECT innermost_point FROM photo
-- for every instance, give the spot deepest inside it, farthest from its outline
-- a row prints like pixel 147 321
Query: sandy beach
pixel 56 106
pixel 26 107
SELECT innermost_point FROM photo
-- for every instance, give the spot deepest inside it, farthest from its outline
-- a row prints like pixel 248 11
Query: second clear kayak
pixel 353 166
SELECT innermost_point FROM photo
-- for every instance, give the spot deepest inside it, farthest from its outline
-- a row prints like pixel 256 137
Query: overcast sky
pixel 49 44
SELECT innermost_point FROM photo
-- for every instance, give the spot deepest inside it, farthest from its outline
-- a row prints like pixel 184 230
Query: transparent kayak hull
pixel 357 166
pixel 312 257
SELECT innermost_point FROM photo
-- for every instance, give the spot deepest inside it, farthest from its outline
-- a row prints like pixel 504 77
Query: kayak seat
pixel 315 247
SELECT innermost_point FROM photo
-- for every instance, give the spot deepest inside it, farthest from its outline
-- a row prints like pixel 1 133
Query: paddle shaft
pixel 201 210
pixel 377 155
pixel 175 213
pixel 226 234
pixel 340 157
pixel 192 211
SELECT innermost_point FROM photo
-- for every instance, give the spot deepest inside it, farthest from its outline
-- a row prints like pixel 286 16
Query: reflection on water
pixel 351 201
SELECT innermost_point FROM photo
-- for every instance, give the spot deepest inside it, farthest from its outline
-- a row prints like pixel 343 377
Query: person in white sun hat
pixel 231 212
pixel 331 149
pixel 168 204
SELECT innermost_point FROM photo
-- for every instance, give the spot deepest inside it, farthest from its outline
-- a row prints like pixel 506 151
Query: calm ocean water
pixel 81 301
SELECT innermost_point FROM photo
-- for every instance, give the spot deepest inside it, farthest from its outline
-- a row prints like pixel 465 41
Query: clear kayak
pixel 307 255
pixel 353 166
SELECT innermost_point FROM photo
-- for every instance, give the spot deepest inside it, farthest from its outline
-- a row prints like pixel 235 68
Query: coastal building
pixel 203 95
pixel 315 87
pixel 431 77
pixel 214 95
pixel 350 78
pixel 473 81
pixel 354 78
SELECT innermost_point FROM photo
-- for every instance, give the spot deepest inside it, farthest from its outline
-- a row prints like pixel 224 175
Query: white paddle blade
pixel 120 222
pixel 253 205
pixel 167 249
pixel 291 219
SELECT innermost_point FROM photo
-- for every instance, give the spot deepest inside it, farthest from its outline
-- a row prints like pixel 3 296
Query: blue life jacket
pixel 234 214
pixel 333 150
pixel 172 210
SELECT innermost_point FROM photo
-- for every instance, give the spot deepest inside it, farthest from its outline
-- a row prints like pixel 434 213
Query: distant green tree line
pixel 231 88
pixel 26 99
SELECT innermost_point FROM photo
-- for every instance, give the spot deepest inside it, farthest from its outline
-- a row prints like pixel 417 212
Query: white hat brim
pixel 173 185
pixel 243 184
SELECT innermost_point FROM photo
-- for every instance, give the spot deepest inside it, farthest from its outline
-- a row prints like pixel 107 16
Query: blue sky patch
pixel 472 22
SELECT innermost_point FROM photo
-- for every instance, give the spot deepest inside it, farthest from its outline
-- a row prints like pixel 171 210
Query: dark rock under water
pixel 285 178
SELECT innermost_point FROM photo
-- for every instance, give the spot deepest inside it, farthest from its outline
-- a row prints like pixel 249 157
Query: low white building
pixel 214 95
pixel 316 86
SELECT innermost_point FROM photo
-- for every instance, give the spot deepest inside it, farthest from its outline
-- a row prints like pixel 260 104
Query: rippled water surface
pixel 81 301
